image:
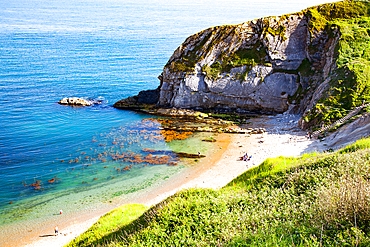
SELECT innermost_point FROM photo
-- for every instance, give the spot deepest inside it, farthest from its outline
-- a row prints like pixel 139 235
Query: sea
pixel 55 157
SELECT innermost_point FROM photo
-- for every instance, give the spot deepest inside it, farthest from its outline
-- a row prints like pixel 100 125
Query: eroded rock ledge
pixel 144 101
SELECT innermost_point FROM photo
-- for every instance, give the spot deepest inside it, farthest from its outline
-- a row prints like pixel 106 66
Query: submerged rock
pixel 178 154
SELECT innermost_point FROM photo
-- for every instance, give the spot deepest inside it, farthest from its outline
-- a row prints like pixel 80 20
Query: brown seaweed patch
pixel 170 135
pixel 127 168
pixel 116 157
pixel 36 185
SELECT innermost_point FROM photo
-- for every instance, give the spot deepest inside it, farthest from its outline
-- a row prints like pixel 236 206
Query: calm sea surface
pixel 56 157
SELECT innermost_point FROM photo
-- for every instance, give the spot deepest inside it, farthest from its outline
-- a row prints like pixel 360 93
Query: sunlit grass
pixel 109 224
pixel 360 144
pixel 318 199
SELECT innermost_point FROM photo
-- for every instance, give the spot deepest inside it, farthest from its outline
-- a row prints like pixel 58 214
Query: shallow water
pixel 103 50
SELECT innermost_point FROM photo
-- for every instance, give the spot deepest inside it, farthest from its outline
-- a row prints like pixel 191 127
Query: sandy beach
pixel 282 138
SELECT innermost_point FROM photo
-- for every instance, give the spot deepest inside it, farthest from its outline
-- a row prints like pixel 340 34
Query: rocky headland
pixel 295 64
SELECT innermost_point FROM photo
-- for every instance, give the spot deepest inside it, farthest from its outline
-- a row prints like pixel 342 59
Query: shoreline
pixel 282 138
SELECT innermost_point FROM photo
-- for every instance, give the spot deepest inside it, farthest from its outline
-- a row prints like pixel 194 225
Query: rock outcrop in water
pixel 75 101
pixel 148 97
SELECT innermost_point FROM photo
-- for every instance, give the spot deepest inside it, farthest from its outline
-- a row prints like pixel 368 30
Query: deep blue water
pixel 105 50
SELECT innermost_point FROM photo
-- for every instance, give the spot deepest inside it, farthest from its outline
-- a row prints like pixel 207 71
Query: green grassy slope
pixel 108 226
pixel 317 199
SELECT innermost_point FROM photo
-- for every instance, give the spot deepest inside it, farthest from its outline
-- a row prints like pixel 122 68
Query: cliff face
pixel 260 65
pixel 315 63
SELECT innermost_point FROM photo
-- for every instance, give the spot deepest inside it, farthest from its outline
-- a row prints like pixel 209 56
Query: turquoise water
pixel 103 50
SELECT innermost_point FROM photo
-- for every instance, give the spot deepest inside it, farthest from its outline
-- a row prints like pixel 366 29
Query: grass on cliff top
pixel 321 15
pixel 319 199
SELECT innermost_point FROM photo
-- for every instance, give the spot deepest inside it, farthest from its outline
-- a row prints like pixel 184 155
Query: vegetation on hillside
pixel 319 199
pixel 350 85
pixel 109 225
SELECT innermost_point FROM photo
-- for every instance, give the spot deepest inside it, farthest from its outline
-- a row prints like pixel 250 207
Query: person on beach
pixel 61 211
pixel 56 231
pixel 245 157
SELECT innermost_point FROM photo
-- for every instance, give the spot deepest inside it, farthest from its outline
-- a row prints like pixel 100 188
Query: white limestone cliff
pixel 264 85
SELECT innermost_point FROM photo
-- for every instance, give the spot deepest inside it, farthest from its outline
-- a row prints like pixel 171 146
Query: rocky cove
pixel 290 67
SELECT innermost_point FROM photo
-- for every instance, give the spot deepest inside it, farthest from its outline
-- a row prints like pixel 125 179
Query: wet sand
pixel 282 138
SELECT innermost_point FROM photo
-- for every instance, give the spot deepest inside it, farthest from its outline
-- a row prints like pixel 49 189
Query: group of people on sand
pixel 245 157
pixel 309 135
